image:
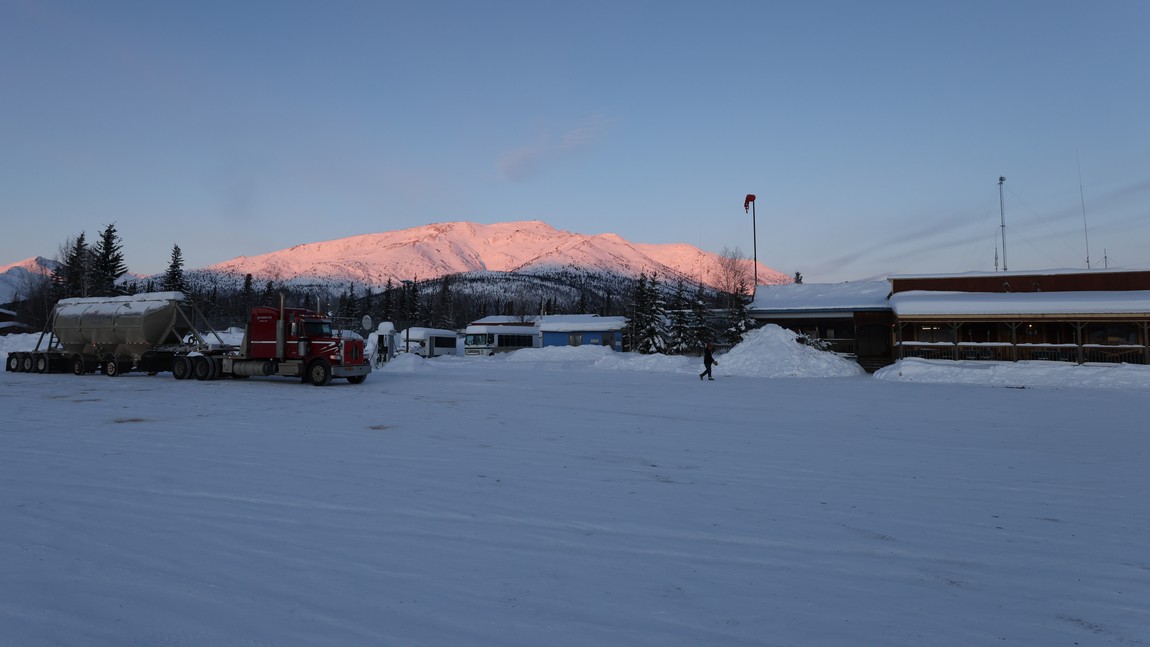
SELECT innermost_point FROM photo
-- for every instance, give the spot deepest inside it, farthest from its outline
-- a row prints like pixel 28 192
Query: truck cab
pixel 304 344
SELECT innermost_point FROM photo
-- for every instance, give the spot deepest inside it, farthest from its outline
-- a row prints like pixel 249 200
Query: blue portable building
pixel 582 330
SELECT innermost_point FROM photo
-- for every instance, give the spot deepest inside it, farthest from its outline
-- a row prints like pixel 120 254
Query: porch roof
pixel 998 305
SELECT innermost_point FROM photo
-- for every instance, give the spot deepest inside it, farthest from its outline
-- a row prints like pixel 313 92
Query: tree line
pixel 673 317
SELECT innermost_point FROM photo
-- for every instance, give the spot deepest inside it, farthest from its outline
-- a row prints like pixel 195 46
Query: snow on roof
pixel 929 303
pixel 580 323
pixel 504 320
pixel 420 333
pixel 1050 272
pixel 7 312
pixel 858 295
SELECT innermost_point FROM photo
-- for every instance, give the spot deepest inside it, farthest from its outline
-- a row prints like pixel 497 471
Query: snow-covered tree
pixel 647 319
pixel 738 320
pixel 680 336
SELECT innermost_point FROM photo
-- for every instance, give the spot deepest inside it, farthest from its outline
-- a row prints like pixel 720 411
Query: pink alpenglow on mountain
pixel 435 250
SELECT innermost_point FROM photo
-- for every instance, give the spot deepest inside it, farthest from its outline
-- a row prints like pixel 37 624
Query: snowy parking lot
pixel 581 497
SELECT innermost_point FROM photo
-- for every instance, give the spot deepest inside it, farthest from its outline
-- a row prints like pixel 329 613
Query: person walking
pixel 708 359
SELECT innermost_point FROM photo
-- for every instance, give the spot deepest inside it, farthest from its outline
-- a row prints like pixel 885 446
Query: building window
pixel 575 339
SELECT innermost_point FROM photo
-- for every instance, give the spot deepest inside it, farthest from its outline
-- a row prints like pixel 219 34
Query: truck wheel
pixel 181 367
pixel 201 368
pixel 111 366
pixel 41 362
pixel 357 379
pixel 319 372
pixel 78 366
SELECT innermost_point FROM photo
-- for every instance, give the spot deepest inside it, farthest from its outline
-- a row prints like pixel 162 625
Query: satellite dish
pixel 366 322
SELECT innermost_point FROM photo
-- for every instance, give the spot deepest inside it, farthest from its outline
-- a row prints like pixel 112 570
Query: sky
pixel 872 134
pixel 613 499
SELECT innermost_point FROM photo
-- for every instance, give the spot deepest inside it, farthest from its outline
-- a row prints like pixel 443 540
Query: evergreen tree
pixel 347 303
pixel 798 278
pixel 647 317
pixel 247 295
pixel 107 263
pixel 700 319
pixel 738 320
pixel 174 278
pixel 411 305
pixel 388 301
pixel 268 297
pixel 679 335
pixel 443 312
pixel 72 279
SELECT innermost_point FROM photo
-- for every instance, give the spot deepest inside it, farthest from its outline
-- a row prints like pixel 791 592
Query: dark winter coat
pixel 708 357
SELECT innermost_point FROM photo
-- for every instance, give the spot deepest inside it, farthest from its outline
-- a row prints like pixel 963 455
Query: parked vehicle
pixel 488 339
pixel 155 332
pixel 428 342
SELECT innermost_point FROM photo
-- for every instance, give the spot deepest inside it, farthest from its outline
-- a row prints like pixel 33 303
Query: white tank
pixel 126 325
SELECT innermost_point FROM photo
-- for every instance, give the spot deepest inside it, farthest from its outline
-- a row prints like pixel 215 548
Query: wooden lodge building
pixel 1061 315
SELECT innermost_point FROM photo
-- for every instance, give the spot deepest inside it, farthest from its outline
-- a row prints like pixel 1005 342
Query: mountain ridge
pixel 435 250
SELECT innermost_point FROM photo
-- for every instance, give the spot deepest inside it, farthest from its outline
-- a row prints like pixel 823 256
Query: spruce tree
pixel 647 317
pixel 679 335
pixel 72 279
pixel 738 320
pixel 174 278
pixel 247 295
pixel 700 319
pixel 107 263
pixel 388 301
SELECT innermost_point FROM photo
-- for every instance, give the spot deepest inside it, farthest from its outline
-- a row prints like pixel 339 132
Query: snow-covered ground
pixel 580 497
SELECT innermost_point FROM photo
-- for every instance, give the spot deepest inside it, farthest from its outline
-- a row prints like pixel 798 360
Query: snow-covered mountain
pixel 18 279
pixel 436 250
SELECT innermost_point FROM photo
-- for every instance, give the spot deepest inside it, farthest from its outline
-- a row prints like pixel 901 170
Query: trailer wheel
pixel 25 362
pixel 41 362
pixel 13 362
pixel 181 367
pixel 201 368
pixel 111 366
pixel 319 373
pixel 78 365
pixel 357 379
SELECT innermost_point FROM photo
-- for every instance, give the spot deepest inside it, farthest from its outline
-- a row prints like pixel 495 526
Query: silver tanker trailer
pixel 156 332
pixel 114 335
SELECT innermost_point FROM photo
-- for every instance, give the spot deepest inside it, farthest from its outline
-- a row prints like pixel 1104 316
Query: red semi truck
pixel 154 332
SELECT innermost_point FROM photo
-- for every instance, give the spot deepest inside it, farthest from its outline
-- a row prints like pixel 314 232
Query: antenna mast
pixel 1002 213
pixel 1082 195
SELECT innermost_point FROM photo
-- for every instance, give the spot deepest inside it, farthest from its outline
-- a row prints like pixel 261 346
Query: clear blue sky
pixel 873 133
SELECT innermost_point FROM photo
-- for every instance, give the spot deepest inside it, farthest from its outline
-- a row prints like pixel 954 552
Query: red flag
pixel 748 201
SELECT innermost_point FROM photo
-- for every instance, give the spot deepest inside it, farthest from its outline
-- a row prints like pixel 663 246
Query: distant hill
pixel 17 279
pixel 433 251
pixel 527 260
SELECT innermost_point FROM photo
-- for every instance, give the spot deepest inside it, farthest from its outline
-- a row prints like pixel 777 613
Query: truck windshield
pixel 317 328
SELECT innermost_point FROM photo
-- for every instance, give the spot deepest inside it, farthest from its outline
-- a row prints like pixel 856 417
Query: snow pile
pixel 1018 374
pixel 560 354
pixel 407 363
pixel 772 351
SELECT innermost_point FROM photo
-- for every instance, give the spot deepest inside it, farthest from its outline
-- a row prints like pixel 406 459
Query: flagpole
pixel 750 202
pixel 754 246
